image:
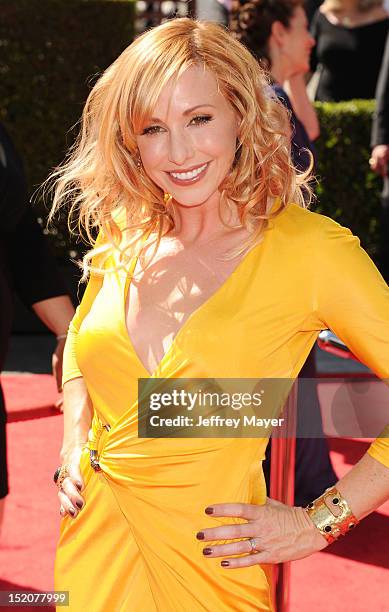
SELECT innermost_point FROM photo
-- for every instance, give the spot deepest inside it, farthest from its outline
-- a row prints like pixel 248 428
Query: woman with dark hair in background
pixel 350 41
pixel 276 33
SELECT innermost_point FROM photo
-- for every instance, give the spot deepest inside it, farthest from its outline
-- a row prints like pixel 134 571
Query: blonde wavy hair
pixel 100 176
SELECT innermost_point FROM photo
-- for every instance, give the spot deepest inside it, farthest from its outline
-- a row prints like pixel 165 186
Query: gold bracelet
pixel 331 514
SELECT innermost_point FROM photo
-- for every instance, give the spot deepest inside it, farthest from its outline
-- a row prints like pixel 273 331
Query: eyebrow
pixel 185 113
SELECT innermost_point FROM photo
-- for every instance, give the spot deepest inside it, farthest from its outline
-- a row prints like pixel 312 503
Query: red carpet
pixel 352 575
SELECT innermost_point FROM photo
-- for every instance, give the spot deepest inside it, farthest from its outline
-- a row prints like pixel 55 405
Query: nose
pixel 180 147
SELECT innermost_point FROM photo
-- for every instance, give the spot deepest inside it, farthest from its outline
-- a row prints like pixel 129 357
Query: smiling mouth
pixel 189 176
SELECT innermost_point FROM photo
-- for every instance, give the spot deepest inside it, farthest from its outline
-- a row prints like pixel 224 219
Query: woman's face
pixel 297 43
pixel 189 145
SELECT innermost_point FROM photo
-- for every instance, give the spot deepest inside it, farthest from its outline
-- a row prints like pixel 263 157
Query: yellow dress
pixel 133 546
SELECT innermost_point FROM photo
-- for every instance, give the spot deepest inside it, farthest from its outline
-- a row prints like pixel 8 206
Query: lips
pixel 189 176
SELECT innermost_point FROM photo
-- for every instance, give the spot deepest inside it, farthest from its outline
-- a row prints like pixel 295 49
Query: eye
pixel 198 120
pixel 201 119
pixel 152 129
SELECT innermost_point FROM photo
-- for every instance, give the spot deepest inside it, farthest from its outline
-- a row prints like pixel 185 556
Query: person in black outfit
pixel 268 29
pixel 350 44
pixel 311 7
pixel 380 157
pixel 28 268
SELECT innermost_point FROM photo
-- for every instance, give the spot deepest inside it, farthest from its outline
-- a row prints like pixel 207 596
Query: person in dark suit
pixel 380 156
pixel 28 268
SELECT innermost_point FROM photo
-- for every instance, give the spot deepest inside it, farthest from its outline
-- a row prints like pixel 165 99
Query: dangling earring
pixel 138 161
pixel 167 198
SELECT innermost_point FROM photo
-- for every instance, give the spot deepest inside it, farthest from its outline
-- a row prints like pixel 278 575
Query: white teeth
pixel 186 176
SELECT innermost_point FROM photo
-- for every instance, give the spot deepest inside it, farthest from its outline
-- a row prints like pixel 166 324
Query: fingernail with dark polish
pixel 225 563
pixel 79 486
pixel 209 510
pixel 200 535
pixel 79 504
pixel 207 551
pixel 72 511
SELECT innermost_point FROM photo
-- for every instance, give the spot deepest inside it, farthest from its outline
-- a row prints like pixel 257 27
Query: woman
pixel 350 41
pixel 276 33
pixel 183 125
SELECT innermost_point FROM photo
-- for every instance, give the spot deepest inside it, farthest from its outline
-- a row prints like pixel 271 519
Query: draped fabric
pixel 133 546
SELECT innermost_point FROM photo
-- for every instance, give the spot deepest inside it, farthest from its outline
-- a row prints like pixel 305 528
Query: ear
pixel 278 33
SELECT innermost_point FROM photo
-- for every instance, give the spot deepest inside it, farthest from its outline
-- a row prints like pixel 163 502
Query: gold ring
pixel 63 473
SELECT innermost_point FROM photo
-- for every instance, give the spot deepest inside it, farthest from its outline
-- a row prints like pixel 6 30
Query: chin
pixel 190 202
pixel 187 197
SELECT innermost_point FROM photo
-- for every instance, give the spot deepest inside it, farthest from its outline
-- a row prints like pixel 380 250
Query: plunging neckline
pixel 189 319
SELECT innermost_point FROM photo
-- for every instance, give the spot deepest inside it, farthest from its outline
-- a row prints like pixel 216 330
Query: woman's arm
pixel 77 410
pixel 78 414
pixel 365 486
pixel 350 297
pixel 303 107
pixel 77 406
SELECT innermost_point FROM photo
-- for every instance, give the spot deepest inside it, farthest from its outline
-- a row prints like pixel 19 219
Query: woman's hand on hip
pixel 69 494
pixel 278 533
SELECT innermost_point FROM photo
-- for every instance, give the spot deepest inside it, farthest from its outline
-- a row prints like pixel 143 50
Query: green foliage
pixel 348 191
pixel 52 53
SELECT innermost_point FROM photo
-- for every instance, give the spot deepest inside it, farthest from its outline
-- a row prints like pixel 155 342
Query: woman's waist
pixel 215 465
pixel 125 434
